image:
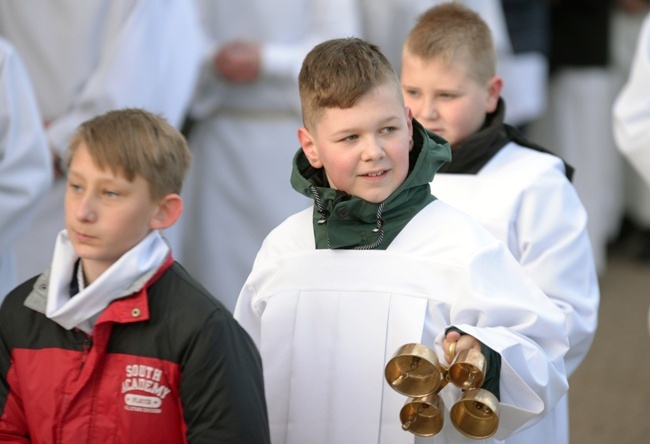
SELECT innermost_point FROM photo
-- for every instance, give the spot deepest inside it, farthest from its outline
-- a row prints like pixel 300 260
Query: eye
pixel 74 187
pixel 111 194
pixel 350 138
pixel 412 93
pixel 389 129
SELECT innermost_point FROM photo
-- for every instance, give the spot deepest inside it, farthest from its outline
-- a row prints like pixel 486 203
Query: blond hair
pixel 452 32
pixel 336 73
pixel 136 142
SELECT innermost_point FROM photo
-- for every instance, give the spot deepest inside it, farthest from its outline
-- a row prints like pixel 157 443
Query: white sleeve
pixel 631 113
pixel 25 162
pixel 151 61
pixel 328 19
pixel 556 252
pixel 498 304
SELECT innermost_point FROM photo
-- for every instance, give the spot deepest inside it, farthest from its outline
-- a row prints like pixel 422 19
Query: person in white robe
pixel 85 58
pixel 377 263
pixel 25 164
pixel 245 117
pixel 631 111
pixel 518 191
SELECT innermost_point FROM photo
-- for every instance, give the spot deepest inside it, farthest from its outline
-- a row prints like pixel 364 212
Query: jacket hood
pixel 342 220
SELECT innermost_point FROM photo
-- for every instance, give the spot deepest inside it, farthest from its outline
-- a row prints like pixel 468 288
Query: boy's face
pixel 105 214
pixel 363 149
pixel 445 99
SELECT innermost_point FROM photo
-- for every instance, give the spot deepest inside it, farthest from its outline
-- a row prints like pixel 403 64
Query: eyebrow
pixel 386 121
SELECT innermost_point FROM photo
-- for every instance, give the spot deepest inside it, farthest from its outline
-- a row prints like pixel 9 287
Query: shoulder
pixel 15 299
pixel 442 230
pixel 183 311
pixel 178 288
pixel 525 161
pixel 296 233
pixel 15 317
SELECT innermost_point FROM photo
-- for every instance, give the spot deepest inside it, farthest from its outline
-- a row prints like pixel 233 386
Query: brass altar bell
pixel 414 371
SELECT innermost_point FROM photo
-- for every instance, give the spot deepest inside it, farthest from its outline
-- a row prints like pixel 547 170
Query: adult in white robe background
pixel 85 58
pixel 576 125
pixel 631 112
pixel 244 132
pixel 387 23
pixel 25 163
pixel 626 31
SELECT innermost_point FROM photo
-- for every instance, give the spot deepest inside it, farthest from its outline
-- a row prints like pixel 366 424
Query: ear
pixel 169 210
pixel 309 147
pixel 409 123
pixel 495 85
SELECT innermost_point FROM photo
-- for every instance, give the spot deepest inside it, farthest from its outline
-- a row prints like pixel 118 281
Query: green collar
pixel 343 221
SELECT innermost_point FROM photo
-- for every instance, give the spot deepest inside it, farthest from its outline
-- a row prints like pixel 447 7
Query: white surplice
pixel 328 321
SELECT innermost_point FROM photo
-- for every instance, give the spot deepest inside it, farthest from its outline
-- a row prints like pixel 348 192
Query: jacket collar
pixel 472 155
pixel 129 306
pixel 343 221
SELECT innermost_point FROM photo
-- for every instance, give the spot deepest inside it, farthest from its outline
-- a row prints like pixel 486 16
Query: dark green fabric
pixel 343 221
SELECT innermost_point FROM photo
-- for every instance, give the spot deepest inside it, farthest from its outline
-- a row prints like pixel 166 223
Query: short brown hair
pixel 136 142
pixel 336 73
pixel 451 31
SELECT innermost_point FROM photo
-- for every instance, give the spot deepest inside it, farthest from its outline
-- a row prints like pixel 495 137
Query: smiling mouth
pixel 376 174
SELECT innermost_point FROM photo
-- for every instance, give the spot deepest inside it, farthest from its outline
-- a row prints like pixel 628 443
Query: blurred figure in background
pixel 577 121
pixel 25 163
pixel 85 58
pixel 245 117
pixel 634 238
pixel 631 113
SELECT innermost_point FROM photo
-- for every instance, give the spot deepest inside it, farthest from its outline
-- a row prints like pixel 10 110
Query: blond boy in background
pixel 515 189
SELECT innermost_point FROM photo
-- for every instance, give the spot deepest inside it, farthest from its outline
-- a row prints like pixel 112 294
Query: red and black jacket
pixel 168 364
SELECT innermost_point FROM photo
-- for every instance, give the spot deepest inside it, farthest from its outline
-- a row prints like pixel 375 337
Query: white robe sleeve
pixel 631 114
pixel 151 61
pixel 498 304
pixel 25 162
pixel 328 19
pixel 558 256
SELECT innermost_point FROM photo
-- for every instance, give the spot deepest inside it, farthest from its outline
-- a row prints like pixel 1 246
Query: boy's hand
pixel 454 343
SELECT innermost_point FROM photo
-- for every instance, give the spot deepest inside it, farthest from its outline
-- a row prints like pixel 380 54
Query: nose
pixel 372 149
pixel 86 211
pixel 429 109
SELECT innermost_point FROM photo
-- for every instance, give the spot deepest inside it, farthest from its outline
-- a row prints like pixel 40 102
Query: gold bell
pixel 423 416
pixel 467 370
pixel 476 414
pixel 414 371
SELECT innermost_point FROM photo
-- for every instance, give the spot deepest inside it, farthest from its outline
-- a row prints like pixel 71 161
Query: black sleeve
pixel 222 388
